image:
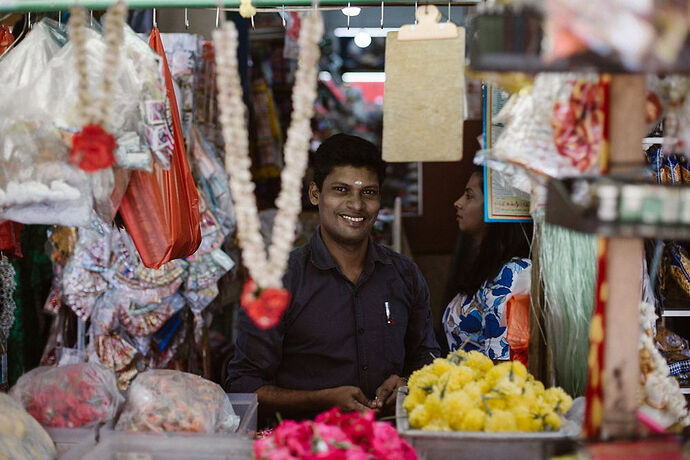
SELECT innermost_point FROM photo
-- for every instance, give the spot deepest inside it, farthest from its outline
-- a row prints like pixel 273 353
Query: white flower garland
pixel 267 272
pixel 90 112
pixel 660 391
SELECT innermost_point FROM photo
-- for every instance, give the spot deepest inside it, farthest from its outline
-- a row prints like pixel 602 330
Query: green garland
pixel 568 269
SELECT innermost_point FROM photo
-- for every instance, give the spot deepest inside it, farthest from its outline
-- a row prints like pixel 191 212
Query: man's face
pixel 349 203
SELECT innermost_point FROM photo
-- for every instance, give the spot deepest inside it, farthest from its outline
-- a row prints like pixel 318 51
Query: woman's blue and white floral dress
pixel 479 321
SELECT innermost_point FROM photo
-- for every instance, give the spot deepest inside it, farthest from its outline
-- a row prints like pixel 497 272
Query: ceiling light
pixel 372 31
pixel 364 77
pixel 351 10
pixel 362 39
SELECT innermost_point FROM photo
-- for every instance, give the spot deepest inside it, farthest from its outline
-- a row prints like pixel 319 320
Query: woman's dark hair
pixel 501 243
pixel 346 150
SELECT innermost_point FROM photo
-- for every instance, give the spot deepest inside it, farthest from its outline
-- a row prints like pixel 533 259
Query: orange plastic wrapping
pixel 517 316
pixel 161 209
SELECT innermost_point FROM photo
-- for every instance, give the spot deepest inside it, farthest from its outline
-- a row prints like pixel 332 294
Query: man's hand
pixel 347 399
pixel 385 394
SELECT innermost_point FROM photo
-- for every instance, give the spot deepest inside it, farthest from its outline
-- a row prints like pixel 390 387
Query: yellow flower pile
pixel 467 392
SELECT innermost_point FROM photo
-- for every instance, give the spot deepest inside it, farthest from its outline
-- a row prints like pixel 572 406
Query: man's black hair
pixel 345 150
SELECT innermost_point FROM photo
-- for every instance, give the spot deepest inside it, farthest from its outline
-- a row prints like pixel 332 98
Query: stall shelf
pixel 621 281
pixel 62 5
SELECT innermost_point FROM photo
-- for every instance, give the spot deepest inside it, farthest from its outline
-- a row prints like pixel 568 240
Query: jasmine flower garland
pixel 93 147
pixel 267 271
pixel 660 393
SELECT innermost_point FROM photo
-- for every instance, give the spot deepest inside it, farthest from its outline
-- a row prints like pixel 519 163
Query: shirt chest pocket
pixel 395 320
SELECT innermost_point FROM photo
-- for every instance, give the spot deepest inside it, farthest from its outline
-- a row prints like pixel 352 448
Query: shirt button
pixel 365 367
pixel 361 331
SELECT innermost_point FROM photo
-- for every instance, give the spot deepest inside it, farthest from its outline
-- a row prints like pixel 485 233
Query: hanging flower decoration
pixel 247 10
pixel 264 306
pixel 93 147
pixel 264 297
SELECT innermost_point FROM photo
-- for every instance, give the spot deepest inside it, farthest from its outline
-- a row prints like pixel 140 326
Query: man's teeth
pixel 354 219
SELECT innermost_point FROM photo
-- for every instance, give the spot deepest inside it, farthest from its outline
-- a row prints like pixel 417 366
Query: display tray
pixel 66 438
pixel 474 445
pixel 146 446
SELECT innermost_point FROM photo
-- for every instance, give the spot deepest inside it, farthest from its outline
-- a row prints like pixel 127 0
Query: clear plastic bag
pixel 78 395
pixel 548 132
pixel 21 436
pixel 210 173
pixel 168 400
pixel 38 184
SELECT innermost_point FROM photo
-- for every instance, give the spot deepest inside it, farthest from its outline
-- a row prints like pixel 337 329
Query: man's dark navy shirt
pixel 337 333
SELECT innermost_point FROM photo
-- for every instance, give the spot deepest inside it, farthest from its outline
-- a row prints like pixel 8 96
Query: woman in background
pixel 495 266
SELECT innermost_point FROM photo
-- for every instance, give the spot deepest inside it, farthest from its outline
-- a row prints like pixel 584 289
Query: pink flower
pixel 262 447
pixel 386 443
pixel 357 454
pixel 335 436
pixel 282 453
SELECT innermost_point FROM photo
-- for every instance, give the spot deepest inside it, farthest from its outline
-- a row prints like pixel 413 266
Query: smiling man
pixel 359 320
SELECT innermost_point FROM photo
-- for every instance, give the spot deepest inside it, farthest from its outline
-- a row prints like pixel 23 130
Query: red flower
pixel 264 306
pixel 92 148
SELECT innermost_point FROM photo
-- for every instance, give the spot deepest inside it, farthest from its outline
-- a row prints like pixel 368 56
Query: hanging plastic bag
pixel 517 334
pixel 549 131
pixel 78 395
pixel 167 400
pixel 37 182
pixel 20 434
pixel 161 209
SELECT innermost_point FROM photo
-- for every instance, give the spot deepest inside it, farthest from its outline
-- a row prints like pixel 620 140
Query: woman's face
pixel 469 209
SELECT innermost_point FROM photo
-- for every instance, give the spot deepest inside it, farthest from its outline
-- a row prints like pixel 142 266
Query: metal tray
pixel 478 445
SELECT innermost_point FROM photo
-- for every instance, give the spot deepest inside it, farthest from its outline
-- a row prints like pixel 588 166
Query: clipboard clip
pixel 428 26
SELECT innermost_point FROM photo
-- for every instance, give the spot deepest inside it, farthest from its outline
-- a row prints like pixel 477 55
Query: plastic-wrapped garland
pixel 265 299
pixel 93 147
pixel 7 306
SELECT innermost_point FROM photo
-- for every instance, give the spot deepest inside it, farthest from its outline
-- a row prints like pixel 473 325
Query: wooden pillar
pixel 626 125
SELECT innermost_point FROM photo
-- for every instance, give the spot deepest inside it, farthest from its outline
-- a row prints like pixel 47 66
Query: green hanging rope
pixel 568 266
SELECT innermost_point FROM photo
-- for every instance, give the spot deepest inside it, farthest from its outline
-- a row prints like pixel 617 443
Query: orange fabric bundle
pixel 517 318
pixel 161 209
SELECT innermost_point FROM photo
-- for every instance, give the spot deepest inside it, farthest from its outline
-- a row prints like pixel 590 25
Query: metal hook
pixel 348 15
pixel 186 18
pixel 91 18
pixel 28 21
pixel 382 14
pixel 217 17
pixel 59 18
pixel 448 11
pixel 155 19
pixel 415 11
pixel 283 16
pixel 252 20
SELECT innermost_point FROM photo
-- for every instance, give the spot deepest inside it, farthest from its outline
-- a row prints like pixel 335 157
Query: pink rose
pixel 357 454
pixel 387 443
pixel 262 447
pixel 282 453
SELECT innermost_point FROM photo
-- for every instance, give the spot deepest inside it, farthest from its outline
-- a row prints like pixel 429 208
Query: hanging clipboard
pixel 424 90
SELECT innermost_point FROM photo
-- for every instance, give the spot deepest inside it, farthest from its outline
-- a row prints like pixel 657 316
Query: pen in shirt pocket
pixel 389 318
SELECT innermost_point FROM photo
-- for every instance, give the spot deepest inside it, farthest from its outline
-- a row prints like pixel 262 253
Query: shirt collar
pixel 323 260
